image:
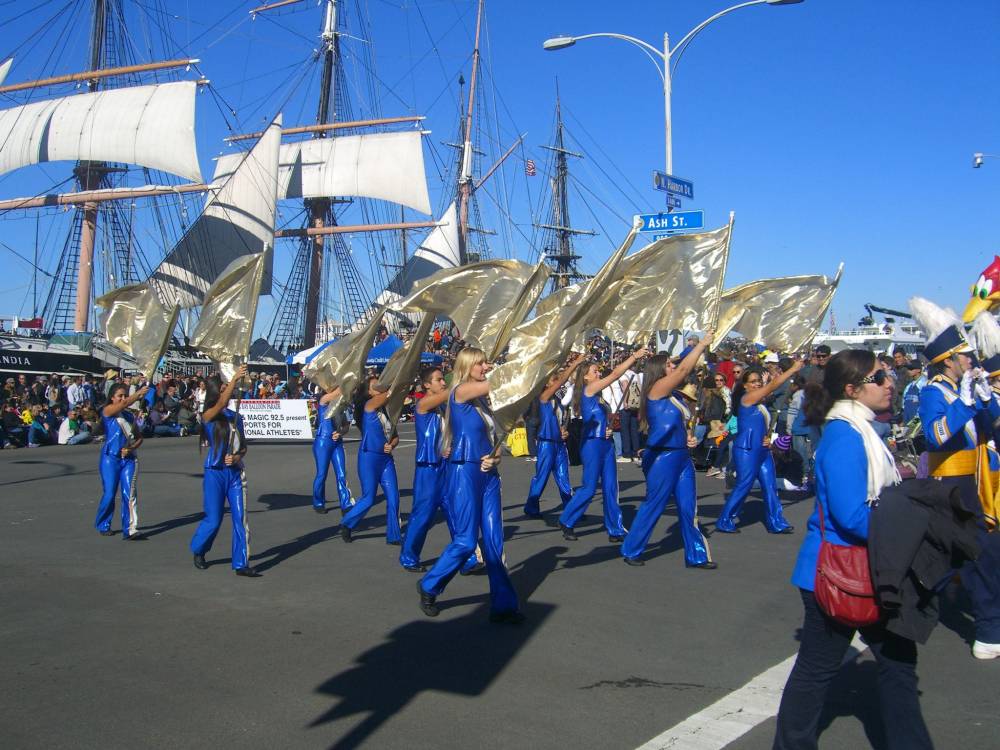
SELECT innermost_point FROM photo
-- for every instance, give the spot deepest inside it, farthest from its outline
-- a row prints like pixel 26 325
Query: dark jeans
pixel 629 421
pixel 824 643
pixel 531 428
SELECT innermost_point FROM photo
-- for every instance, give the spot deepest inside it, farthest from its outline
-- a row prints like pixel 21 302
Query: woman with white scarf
pixel 852 467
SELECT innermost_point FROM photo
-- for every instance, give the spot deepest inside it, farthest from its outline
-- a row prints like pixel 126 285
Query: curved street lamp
pixel 662 59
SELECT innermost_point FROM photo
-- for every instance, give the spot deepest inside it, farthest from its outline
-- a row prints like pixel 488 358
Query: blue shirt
pixel 667 419
pixel 373 437
pixel 548 421
pixel 116 439
pixel 753 424
pixel 471 436
pixel 329 423
pixel 428 428
pixel 215 457
pixel 842 488
pixel 595 417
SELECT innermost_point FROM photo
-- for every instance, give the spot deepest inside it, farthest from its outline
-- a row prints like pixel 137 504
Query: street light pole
pixel 561 42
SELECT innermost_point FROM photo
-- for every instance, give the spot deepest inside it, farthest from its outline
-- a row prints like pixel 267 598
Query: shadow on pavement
pixel 174 523
pixel 462 656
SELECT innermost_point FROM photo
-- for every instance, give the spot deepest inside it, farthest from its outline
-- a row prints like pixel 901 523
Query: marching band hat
pixel 943 328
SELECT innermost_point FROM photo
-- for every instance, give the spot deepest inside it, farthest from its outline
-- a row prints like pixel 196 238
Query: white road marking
pixel 729 718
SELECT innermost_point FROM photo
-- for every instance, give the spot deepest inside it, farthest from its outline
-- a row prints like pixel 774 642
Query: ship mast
pixel 560 253
pixel 465 184
pixel 319 207
pixel 89 175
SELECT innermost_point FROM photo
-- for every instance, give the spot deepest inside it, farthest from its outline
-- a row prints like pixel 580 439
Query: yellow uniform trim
pixel 953 464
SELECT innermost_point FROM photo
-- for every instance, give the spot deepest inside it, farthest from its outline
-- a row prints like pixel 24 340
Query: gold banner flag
pixel 540 345
pixel 403 367
pixel 225 328
pixel 480 298
pixel 672 283
pixel 783 314
pixel 137 322
pixel 343 362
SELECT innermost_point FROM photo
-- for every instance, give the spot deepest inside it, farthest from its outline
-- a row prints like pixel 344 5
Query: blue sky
pixel 837 130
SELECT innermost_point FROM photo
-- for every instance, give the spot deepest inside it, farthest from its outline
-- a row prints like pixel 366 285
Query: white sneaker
pixel 623 460
pixel 985 650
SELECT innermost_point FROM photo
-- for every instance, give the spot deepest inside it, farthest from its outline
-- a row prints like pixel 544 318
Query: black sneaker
pixel 427 602
pixel 199 562
pixel 247 572
pixel 321 510
pixel 568 534
pixel 345 533
pixel 109 532
pixel 135 538
pixel 635 562
pixel 510 617
pixel 415 568
pixel 616 538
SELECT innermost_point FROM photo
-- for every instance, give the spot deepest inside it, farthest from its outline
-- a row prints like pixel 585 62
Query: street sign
pixel 670 184
pixel 678 221
pixel 673 201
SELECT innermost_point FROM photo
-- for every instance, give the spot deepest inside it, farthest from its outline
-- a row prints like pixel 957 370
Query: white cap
pixel 771 358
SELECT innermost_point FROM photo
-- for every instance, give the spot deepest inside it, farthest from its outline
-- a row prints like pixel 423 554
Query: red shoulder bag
pixel 843 586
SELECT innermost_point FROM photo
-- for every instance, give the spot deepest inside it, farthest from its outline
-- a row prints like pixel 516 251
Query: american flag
pixel 529 168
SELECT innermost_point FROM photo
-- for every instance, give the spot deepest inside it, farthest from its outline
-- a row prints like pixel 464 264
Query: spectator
pixel 38 432
pixel 814 372
pixel 72 431
pixel 911 394
pixel 711 407
pixel 75 393
pixel 725 367
pixel 187 417
pixel 15 433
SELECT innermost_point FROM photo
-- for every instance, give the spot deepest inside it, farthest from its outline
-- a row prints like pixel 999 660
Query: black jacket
pixel 918 535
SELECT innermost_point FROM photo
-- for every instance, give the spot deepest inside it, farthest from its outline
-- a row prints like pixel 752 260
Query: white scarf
pixel 882 471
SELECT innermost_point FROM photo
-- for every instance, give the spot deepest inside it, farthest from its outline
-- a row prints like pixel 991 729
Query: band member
pixel 328 448
pixel 955 410
pixel 752 452
pixel 429 474
pixel 552 455
pixel 118 464
pixel 376 467
pixel 473 491
pixel 598 451
pixel 666 414
pixel 225 476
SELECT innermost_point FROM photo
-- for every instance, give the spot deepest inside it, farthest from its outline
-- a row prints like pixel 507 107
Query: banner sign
pixel 275 418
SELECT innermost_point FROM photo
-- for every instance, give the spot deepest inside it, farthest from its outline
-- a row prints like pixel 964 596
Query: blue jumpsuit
pixel 474 499
pixel 753 463
pixel 598 457
pixel 950 426
pixel 376 467
pixel 116 471
pixel 669 470
pixel 224 484
pixel 552 459
pixel 326 450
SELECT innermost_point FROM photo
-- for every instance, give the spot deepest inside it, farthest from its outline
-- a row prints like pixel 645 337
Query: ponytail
pixel 848 367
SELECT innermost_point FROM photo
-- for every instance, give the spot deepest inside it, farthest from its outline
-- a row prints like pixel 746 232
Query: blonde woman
pixel 473 492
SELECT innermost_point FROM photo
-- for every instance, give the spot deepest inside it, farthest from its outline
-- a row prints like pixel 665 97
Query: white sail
pixel 388 166
pixel 152 126
pixel 238 220
pixel 441 245
pixel 5 69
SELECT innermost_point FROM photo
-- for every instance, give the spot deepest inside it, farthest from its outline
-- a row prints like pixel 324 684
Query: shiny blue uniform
pixel 224 484
pixel 428 486
pixel 118 472
pixel 474 499
pixel 327 451
pixel 669 470
pixel 552 458
pixel 598 457
pixel 376 467
pixel 950 425
pixel 753 463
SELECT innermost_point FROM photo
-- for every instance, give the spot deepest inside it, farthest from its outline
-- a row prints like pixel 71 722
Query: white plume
pixel 932 319
pixel 986 334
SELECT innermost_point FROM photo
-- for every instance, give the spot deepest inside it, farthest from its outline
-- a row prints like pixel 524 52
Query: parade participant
pixel 376 467
pixel 959 411
pixel 118 464
pixel 853 466
pixel 429 474
pixel 473 491
pixel 597 452
pixel 666 460
pixel 552 455
pixel 328 448
pixel 751 452
pixel 225 478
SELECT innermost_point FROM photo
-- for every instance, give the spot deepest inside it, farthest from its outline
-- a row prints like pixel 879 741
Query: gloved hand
pixel 966 388
pixel 983 391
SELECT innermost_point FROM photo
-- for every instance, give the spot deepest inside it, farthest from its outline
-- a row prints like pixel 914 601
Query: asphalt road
pixel 107 644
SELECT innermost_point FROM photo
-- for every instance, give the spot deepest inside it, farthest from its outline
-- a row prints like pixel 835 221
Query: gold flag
pixel 343 362
pixel 671 283
pixel 136 322
pixel 480 298
pixel 540 345
pixel 225 328
pixel 402 368
pixel 519 308
pixel 783 314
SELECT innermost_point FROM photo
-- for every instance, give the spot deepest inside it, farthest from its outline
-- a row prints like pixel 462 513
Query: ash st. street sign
pixel 678 221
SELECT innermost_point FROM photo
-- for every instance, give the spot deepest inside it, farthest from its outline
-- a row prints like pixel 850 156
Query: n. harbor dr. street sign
pixel 678 221
pixel 670 184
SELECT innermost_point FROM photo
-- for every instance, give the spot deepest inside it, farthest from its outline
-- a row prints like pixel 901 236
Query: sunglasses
pixel 878 378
